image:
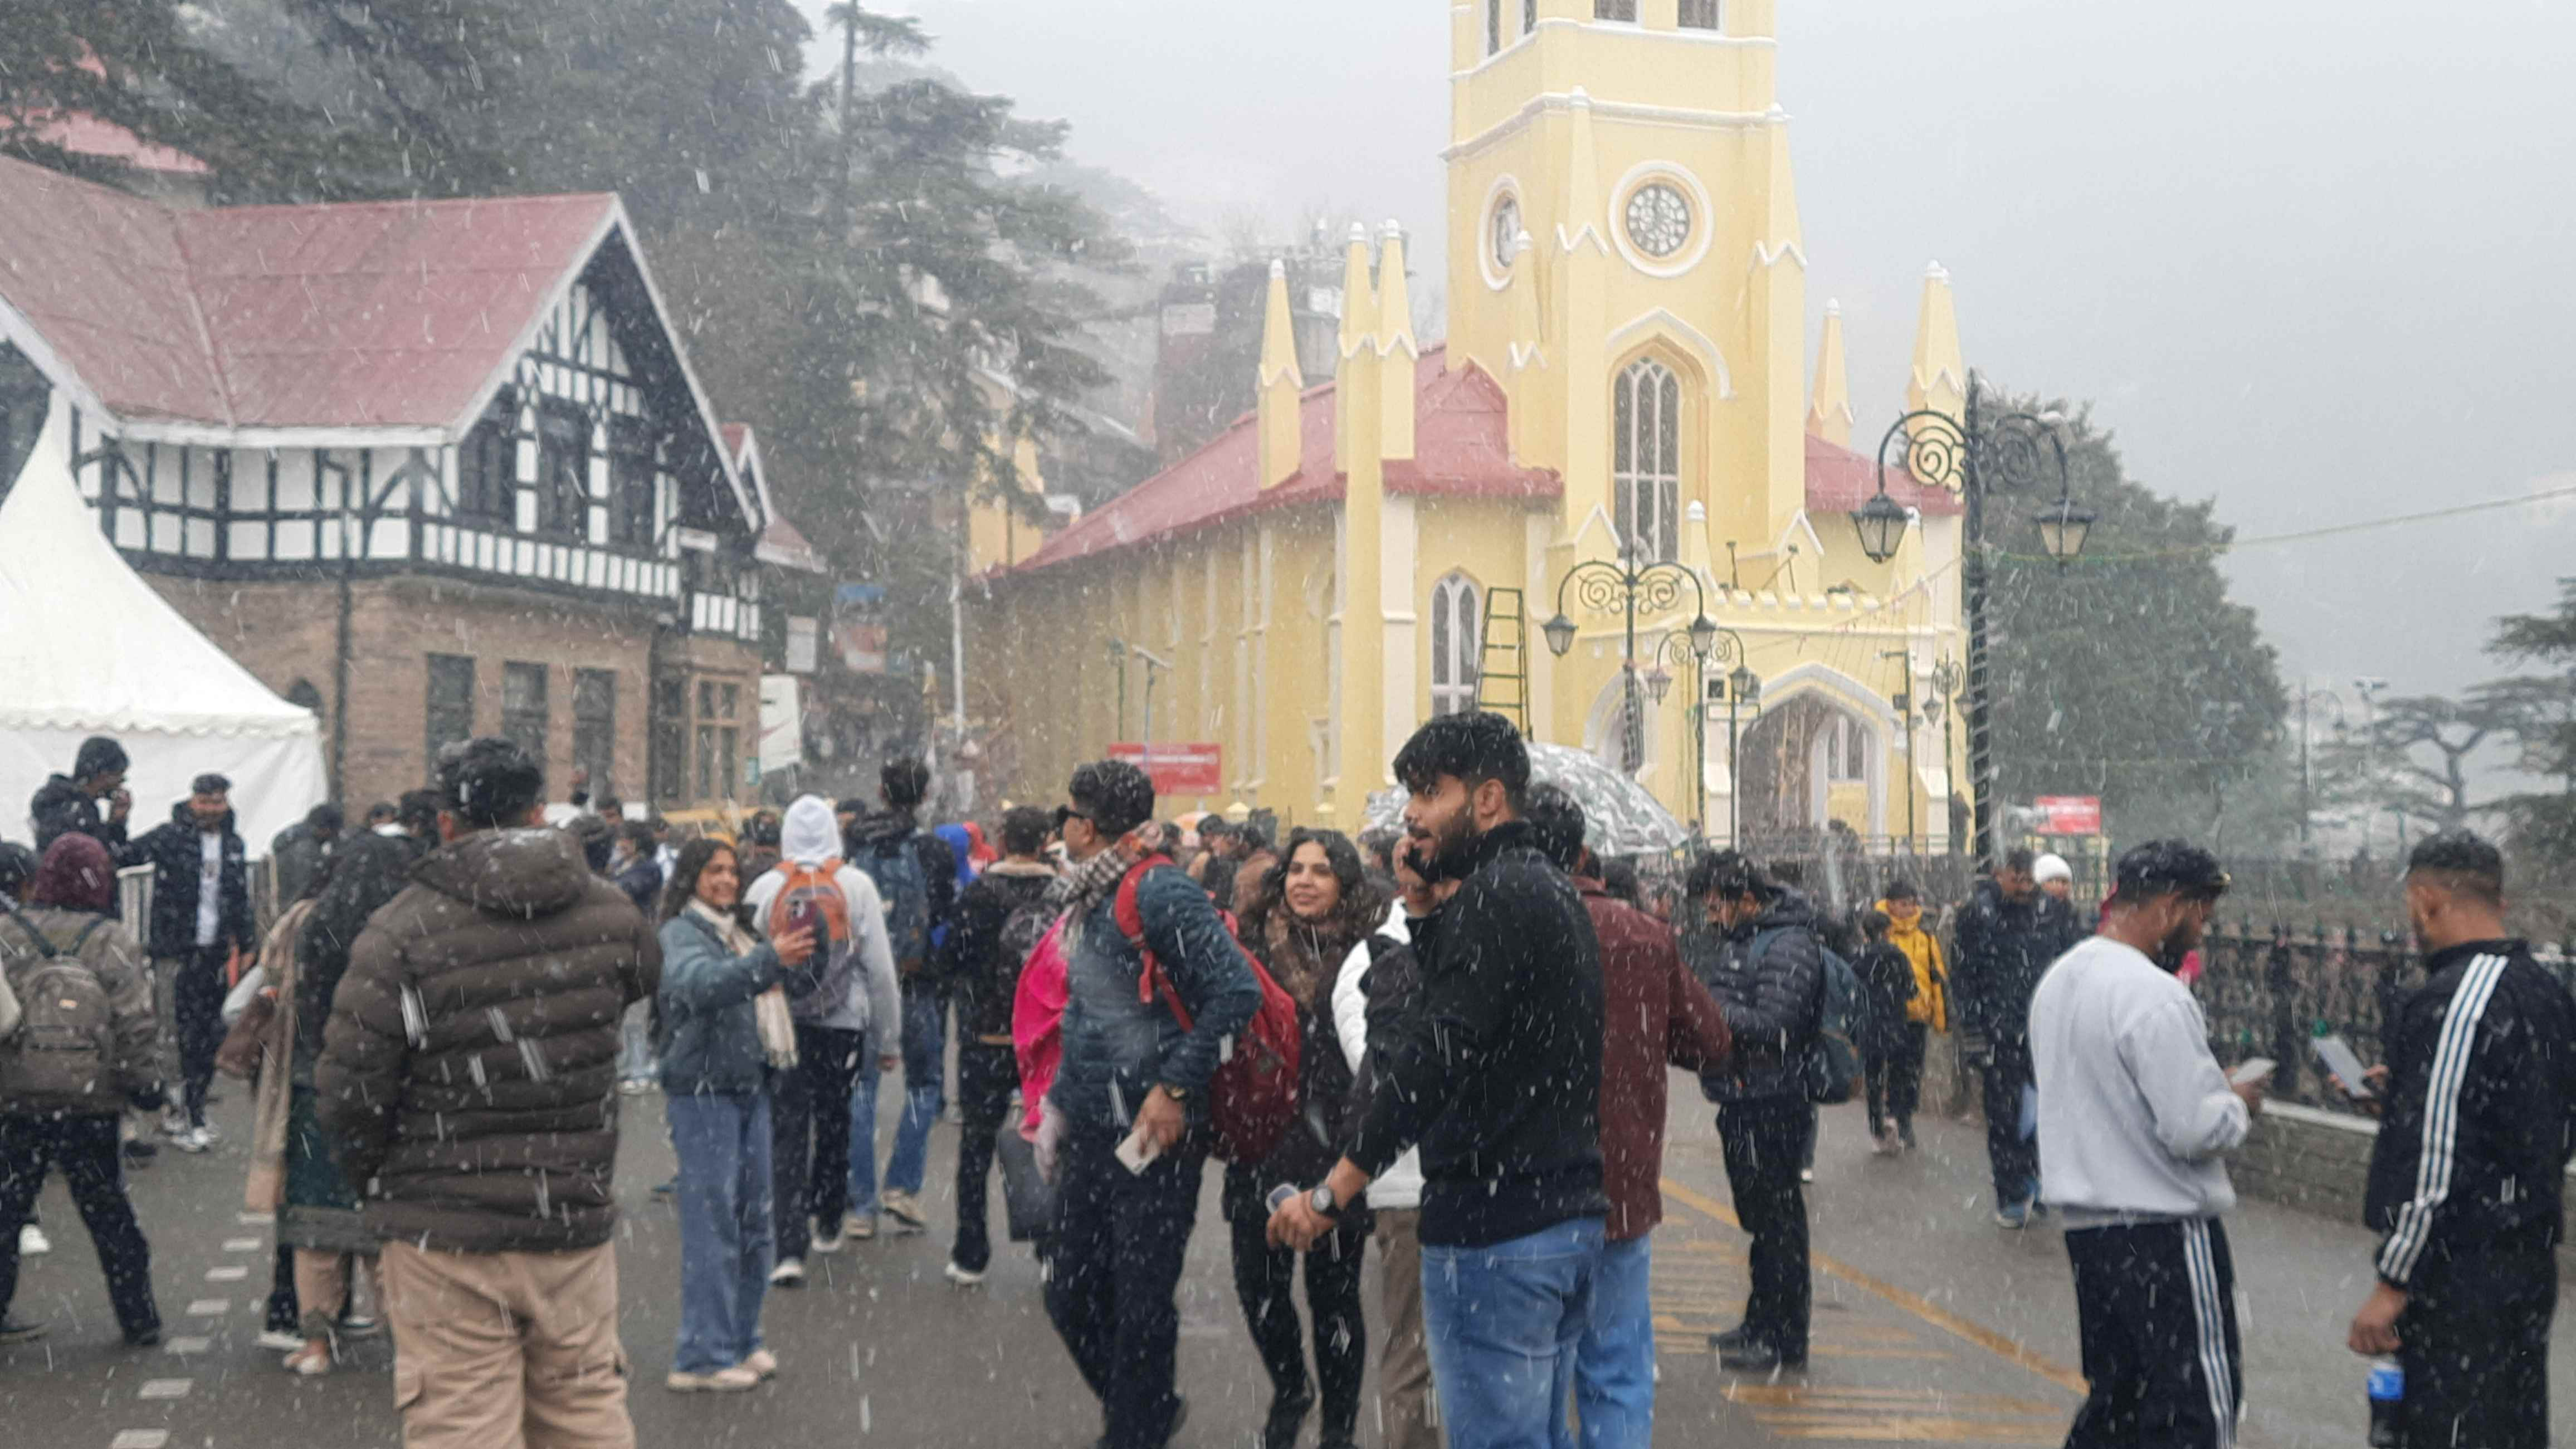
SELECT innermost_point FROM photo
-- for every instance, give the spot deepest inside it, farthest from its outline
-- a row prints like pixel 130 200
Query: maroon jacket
pixel 1654 1014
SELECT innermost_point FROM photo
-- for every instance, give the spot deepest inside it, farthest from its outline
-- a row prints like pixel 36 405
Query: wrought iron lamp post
pixel 2013 451
pixel 1601 586
pixel 1724 647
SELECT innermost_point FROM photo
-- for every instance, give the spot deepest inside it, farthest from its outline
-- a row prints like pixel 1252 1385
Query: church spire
pixel 1281 383
pixel 1940 380
pixel 1829 416
pixel 1355 389
pixel 1397 351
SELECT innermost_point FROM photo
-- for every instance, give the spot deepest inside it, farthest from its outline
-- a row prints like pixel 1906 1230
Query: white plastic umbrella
pixel 1619 816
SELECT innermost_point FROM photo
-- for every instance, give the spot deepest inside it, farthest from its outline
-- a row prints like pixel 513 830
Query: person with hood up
pixel 727 1034
pixel 91 800
pixel 1927 1007
pixel 2008 935
pixel 998 921
pixel 854 989
pixel 487 1170
pixel 1766 970
pixel 201 915
pixel 59 1109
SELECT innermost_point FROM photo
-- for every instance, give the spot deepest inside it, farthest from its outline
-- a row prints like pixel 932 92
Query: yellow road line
pixel 2011 1350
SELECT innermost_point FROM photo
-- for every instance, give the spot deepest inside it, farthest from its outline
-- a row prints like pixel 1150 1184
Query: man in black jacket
pixel 2467 1172
pixel 75 802
pixel 200 915
pixel 997 923
pixel 1498 1077
pixel 872 843
pixel 1764 961
pixel 2009 935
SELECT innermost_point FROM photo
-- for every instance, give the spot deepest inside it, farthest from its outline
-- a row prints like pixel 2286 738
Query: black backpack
pixel 66 1037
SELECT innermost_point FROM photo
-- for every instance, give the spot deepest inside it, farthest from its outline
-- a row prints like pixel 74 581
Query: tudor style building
pixel 431 469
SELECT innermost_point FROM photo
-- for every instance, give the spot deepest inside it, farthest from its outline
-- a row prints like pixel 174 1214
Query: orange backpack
pixel 810 896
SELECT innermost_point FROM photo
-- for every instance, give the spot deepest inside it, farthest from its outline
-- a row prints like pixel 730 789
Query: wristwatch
pixel 1177 1094
pixel 1321 1200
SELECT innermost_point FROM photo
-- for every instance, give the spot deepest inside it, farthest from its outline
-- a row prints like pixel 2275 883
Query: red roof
pixel 381 314
pixel 83 134
pixel 1840 480
pixel 1461 450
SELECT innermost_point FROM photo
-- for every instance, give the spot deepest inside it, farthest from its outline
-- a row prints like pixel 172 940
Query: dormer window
pixel 487 484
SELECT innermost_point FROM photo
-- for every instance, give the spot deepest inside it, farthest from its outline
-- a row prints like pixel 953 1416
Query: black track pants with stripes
pixel 2476 1343
pixel 2157 1303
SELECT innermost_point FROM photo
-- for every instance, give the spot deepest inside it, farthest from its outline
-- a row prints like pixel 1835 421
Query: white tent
pixel 87 648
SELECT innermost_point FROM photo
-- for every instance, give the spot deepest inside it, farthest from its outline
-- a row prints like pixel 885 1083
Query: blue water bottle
pixel 2387 1396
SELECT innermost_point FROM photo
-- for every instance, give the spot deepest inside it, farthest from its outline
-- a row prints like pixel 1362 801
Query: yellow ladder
pixel 1502 660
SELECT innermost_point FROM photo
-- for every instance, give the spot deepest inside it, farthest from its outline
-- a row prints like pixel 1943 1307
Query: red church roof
pixel 1840 480
pixel 385 314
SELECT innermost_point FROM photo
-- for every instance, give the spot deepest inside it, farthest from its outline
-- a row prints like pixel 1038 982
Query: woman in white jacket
pixel 1378 979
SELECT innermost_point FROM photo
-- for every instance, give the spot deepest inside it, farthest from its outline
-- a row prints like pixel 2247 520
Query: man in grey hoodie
pixel 2134 1117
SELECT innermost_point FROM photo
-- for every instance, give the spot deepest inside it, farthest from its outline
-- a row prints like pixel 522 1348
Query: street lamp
pixel 1626 585
pixel 1720 647
pixel 2014 451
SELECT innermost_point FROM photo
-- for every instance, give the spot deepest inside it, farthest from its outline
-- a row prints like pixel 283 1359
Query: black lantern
pixel 1560 634
pixel 1659 682
pixel 1747 686
pixel 1881 523
pixel 2062 528
pixel 1703 635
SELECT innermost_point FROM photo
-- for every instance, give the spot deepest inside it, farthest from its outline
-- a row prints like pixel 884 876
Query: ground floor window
pixel 594 727
pixel 451 706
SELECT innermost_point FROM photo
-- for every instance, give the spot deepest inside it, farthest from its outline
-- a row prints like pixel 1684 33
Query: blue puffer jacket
pixel 710 1036
pixel 1117 1048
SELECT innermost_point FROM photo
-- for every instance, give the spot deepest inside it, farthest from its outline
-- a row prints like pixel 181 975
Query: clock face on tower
pixel 1659 220
pixel 1507 232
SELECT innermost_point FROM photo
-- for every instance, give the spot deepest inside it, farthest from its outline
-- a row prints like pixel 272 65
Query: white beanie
pixel 2051 867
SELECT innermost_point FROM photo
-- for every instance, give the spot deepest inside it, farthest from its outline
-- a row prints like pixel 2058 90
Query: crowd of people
pixel 1451 1041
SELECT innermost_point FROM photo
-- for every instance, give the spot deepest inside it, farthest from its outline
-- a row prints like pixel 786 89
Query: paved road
pixel 1931 1326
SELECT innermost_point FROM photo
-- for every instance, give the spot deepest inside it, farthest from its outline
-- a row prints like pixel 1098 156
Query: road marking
pixel 139 1439
pixel 210 1308
pixel 241 1245
pixel 166 1388
pixel 226 1275
pixel 189 1345
pixel 2011 1350
pixel 254 1220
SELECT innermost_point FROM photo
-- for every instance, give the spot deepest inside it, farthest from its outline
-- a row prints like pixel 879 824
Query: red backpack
pixel 1253 1097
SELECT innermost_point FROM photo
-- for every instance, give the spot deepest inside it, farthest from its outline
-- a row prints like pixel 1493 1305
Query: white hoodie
pixel 2134 1113
pixel 1400 1186
pixel 809 836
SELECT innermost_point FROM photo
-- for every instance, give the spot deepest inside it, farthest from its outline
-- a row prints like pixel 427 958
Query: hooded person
pixel 91 800
pixel 857 994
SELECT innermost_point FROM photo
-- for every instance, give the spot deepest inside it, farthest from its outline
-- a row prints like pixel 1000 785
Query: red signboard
pixel 2069 814
pixel 1178 768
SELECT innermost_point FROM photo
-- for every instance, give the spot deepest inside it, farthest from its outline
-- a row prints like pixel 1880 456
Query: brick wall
pixel 286 633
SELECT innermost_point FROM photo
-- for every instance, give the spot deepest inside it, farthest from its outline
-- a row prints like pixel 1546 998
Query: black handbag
pixel 1028 1202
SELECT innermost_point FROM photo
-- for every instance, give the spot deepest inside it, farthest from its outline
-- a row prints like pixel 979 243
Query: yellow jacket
pixel 1931 1003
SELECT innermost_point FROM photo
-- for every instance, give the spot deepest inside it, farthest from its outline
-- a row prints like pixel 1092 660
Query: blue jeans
pixel 925 1032
pixel 726 1245
pixel 1503 1323
pixel 1614 1367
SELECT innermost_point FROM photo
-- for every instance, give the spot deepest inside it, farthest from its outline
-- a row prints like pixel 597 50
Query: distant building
pixel 1380 536
pixel 1209 352
pixel 431 469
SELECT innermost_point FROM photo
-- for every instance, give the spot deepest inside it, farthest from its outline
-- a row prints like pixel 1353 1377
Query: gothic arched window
pixel 1457 623
pixel 1646 461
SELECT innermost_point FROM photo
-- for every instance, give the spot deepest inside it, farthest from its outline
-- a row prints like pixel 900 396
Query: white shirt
pixel 210 885
pixel 1400 1186
pixel 2134 1112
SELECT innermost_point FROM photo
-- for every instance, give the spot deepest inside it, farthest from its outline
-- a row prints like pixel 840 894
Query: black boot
pixel 1287 1416
pixel 1761 1356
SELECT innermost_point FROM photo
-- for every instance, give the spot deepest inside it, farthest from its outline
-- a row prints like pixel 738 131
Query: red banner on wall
pixel 2069 814
pixel 1177 768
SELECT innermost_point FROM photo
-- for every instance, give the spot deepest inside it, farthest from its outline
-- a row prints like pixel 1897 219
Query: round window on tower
pixel 1500 243
pixel 1659 220
pixel 1506 232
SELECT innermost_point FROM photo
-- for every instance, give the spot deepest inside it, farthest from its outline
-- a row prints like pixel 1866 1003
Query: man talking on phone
pixel 1132 1077
pixel 2134 1116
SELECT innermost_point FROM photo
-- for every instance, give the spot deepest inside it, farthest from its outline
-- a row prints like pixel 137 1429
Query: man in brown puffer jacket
pixel 470 1073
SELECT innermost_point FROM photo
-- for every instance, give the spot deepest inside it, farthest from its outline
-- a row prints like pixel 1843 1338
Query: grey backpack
pixel 63 1047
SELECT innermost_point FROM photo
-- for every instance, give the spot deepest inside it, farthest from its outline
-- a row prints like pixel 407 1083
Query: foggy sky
pixel 2308 258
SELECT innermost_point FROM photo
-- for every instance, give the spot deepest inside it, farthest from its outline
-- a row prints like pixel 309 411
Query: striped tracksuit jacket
pixel 2465 1183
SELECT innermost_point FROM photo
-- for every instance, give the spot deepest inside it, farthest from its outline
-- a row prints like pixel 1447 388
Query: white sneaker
pixel 962 1277
pixel 735 1380
pixel 281 1340
pixel 906 1211
pixel 827 1241
pixel 790 1273
pixel 309 1361
pixel 762 1362
pixel 1806 1174
pixel 32 1241
pixel 174 1123
pixel 195 1139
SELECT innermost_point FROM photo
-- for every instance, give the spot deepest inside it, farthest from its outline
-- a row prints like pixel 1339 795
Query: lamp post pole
pixel 1724 646
pixel 1905 706
pixel 1118 661
pixel 1973 456
pixel 2307 776
pixel 1626 585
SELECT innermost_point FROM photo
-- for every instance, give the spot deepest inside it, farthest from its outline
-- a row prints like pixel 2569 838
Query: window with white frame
pixel 1615 10
pixel 1646 461
pixel 1457 624
pixel 1847 751
pixel 1699 15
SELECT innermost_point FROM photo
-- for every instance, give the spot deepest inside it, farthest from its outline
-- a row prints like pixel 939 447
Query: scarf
pixel 1082 889
pixel 769 1009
